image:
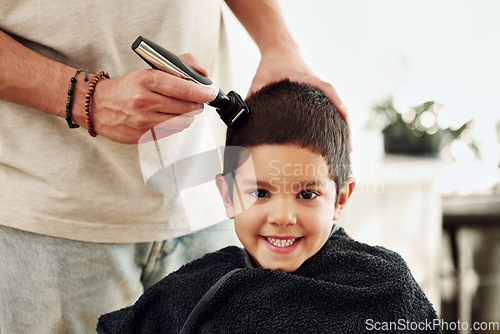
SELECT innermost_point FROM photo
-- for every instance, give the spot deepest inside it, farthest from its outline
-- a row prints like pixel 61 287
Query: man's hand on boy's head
pixel 277 67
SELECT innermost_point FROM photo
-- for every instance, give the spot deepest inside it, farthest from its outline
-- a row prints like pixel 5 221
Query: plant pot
pixel 408 143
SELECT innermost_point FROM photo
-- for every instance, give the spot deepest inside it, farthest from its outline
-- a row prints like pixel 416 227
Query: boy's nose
pixel 282 213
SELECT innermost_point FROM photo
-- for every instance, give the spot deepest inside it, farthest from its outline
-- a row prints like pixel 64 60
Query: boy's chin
pixel 287 269
pixel 284 267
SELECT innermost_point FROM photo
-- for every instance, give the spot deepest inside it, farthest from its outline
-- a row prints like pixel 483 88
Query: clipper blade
pixel 235 113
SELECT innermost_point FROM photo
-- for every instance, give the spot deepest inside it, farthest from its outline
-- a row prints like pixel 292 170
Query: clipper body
pixel 231 107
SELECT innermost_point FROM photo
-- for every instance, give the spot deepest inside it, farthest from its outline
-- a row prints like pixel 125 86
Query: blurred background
pixel 421 81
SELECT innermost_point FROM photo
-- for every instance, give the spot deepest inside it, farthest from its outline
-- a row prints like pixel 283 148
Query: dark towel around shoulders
pixel 347 287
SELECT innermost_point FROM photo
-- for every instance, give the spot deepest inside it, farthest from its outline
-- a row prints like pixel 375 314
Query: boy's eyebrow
pixel 259 183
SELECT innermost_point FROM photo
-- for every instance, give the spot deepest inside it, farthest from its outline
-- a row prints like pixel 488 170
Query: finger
pixel 332 94
pixel 169 105
pixel 148 120
pixel 150 101
pixel 191 61
pixel 171 86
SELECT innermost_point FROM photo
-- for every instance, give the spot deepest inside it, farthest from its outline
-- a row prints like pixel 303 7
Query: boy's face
pixel 283 205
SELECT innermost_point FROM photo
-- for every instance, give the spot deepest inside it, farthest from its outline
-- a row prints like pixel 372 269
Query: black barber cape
pixel 347 287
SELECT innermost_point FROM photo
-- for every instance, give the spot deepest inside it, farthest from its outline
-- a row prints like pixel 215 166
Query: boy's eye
pixel 307 194
pixel 259 193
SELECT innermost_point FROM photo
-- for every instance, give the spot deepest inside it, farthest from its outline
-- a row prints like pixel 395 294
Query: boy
pixel 286 180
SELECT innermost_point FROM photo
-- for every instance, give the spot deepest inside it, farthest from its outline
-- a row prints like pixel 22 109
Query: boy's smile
pixel 283 204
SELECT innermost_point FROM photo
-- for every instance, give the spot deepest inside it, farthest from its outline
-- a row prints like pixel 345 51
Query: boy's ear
pixel 344 195
pixel 221 183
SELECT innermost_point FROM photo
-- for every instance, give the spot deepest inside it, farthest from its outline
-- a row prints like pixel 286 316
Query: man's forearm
pixel 32 80
pixel 264 22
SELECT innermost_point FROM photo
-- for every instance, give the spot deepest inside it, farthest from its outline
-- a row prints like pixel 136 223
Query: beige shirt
pixel 62 182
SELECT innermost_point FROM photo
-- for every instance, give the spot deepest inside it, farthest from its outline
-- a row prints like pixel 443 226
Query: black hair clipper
pixel 231 107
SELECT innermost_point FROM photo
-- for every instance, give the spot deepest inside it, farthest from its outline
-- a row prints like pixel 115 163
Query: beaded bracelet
pixel 88 101
pixel 69 101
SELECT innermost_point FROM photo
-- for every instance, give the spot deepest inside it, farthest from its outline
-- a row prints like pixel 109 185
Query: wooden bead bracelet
pixel 88 101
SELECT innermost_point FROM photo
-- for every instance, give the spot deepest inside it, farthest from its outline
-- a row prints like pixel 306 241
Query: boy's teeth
pixel 281 242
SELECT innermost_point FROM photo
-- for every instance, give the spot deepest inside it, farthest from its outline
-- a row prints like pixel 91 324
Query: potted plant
pixel 416 130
